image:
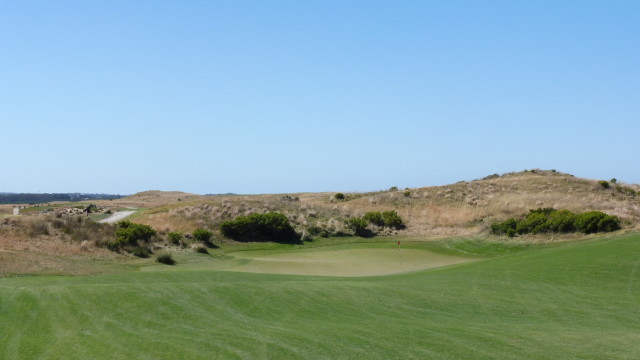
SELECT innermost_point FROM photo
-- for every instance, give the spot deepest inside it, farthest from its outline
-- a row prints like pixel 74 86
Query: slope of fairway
pixel 570 301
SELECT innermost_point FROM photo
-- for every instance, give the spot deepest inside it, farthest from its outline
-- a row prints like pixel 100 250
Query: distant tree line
pixel 30 198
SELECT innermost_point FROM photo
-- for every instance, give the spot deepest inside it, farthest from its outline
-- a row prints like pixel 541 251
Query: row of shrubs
pixel 272 226
pixel 621 189
pixel 388 219
pixel 550 220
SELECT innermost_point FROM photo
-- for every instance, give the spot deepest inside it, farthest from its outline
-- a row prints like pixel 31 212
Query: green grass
pixel 575 300
pixel 351 259
pixel 78 205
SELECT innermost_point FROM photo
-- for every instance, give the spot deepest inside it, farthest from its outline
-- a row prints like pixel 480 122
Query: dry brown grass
pixel 463 208
pixel 34 245
pixel 152 198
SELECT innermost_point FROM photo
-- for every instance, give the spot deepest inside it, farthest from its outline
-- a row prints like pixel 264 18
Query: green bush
pixel 392 219
pixel 596 221
pixel 386 218
pixel 534 223
pixel 507 227
pixel 609 223
pixel 339 196
pixel 130 234
pixel 407 193
pixel 604 184
pixel 562 221
pixel 374 217
pixel 203 236
pixel 175 237
pixel 270 226
pixel 359 226
pixel 165 258
pixel 201 249
pixel 588 222
pixel 545 211
pixel 549 220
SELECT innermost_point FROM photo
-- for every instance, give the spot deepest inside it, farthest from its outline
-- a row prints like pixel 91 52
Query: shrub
pixel 533 223
pixel 562 221
pixel 37 228
pixel 393 188
pixel 339 196
pixel 203 236
pixel 507 227
pixel 545 211
pixel 270 226
pixel 588 222
pixel 132 234
pixel 374 217
pixel 557 221
pixel 175 237
pixel 614 180
pixel 626 190
pixel 604 184
pixel 407 193
pixel 359 226
pixel 201 249
pixel 165 258
pixel 135 238
pixel 392 219
pixel 609 223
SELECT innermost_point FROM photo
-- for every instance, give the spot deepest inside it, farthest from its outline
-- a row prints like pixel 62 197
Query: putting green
pixel 349 260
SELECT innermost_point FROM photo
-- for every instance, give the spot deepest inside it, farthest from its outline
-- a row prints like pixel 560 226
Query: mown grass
pixel 569 301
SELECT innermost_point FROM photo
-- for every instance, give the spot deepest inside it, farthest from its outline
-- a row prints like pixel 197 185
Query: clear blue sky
pixel 293 96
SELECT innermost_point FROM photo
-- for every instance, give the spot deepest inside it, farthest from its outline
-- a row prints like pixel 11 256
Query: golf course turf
pixel 575 300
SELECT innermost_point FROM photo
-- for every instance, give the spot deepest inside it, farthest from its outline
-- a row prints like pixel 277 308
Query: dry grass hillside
pixel 464 208
pixel 152 198
pixel 51 239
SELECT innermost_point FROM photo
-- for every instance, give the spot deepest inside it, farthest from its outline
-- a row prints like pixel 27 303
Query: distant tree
pixel 339 196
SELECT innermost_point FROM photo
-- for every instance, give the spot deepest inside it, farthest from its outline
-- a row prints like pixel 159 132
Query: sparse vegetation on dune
pixel 463 208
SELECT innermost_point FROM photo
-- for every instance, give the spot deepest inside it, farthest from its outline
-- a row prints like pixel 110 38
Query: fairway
pixel 567 301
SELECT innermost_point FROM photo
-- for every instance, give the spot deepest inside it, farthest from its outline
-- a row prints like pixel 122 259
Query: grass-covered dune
pixel 576 300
